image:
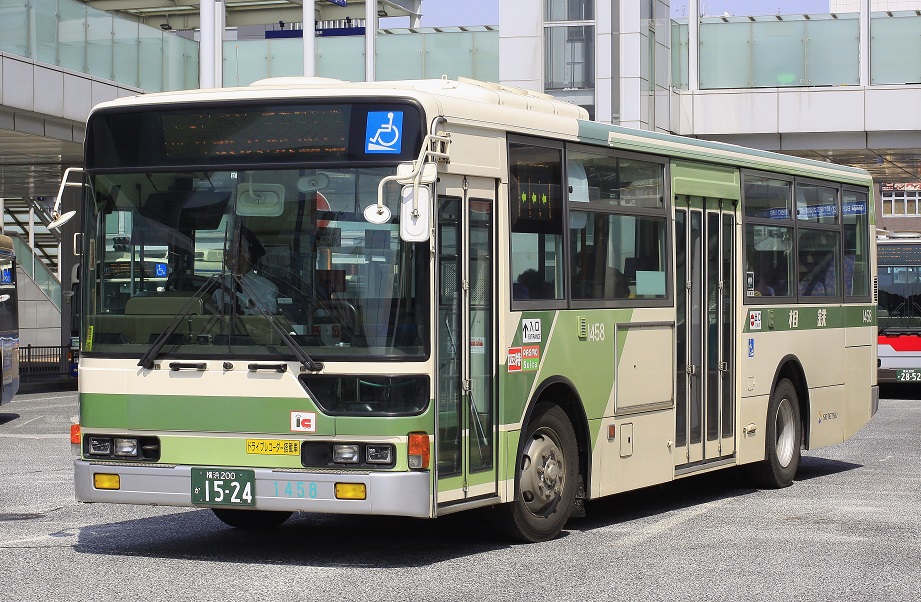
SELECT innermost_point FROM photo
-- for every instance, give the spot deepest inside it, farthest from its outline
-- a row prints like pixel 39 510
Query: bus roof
pixel 511 109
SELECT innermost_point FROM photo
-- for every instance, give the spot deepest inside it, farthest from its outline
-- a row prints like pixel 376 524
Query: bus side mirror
pixel 415 213
pixel 416 200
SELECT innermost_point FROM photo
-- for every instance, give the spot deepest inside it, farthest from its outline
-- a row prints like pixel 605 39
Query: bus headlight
pixel 379 454
pixel 346 453
pixel 126 447
pixel 99 446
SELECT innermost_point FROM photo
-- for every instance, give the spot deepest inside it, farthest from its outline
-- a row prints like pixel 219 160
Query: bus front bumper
pixel 387 493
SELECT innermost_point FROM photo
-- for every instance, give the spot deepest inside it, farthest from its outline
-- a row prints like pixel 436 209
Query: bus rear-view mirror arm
pixel 58 220
pixel 415 198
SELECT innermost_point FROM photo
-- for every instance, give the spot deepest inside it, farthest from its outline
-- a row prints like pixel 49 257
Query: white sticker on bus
pixel 305 422
pixel 530 331
pixel 754 320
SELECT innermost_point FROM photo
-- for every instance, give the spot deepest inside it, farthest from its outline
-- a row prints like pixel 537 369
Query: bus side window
pixel 535 179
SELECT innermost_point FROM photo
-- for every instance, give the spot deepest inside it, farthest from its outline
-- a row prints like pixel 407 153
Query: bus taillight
pixel 419 450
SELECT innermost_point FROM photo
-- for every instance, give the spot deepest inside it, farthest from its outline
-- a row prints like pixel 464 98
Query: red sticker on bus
pixel 514 359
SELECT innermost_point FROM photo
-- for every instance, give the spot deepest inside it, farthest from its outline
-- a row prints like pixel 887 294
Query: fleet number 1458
pixel 596 332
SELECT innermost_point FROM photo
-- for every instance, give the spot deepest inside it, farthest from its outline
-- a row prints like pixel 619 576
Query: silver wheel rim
pixel 543 470
pixel 786 431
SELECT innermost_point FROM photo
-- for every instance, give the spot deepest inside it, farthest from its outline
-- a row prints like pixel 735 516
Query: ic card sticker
pixel 530 358
pixel 304 422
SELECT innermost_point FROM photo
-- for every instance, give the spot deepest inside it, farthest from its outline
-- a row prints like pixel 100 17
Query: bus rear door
pixel 706 276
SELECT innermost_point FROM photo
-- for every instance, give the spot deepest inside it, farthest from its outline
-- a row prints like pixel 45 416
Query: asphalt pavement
pixel 848 529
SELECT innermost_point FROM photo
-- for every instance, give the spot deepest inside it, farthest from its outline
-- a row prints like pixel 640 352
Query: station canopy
pixel 184 14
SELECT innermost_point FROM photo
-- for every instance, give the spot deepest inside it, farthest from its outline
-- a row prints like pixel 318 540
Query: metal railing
pixel 44 363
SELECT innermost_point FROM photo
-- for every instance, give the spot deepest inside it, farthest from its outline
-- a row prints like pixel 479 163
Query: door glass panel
pixel 713 306
pixel 696 330
pixel 449 391
pixel 681 277
pixel 728 306
pixel 481 344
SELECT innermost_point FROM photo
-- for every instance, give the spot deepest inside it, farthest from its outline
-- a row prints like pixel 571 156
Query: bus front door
pixel 465 448
pixel 706 273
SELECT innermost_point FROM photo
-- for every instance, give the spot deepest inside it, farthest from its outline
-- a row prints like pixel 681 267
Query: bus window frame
pixel 789 222
pixel 871 241
pixel 796 226
pixel 802 224
pixel 537 304
pixel 664 212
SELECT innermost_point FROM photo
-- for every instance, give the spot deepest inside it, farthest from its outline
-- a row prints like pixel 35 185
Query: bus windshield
pixel 292 243
pixel 899 288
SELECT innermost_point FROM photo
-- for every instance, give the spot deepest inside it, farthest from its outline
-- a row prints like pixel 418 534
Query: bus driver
pixel 257 290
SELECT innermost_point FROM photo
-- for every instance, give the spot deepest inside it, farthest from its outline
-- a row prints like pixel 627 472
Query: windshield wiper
pixel 298 351
pixel 147 360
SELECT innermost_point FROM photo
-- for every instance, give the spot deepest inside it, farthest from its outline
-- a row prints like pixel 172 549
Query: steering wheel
pixel 341 312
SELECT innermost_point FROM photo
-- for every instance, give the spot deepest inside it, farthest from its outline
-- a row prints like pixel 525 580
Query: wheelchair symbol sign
pixel 383 132
pixel 162 270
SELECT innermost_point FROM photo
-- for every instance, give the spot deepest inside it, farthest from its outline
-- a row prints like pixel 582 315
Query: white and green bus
pixel 416 298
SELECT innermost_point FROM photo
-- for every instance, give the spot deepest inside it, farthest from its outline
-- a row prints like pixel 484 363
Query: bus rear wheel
pixel 783 437
pixel 251 519
pixel 547 474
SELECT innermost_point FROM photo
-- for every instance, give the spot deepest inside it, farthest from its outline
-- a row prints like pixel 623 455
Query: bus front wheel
pixel 783 436
pixel 251 519
pixel 546 477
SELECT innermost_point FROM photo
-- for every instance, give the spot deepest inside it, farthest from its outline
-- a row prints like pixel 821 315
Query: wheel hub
pixel 542 473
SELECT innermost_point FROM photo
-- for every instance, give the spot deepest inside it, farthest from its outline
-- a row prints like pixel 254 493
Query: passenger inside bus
pixel 817 265
pixel 594 280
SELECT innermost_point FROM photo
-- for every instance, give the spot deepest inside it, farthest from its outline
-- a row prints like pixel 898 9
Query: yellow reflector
pixel 106 481
pixel 350 491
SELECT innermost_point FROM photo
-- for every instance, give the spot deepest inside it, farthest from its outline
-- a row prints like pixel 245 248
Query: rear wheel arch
pixel 791 368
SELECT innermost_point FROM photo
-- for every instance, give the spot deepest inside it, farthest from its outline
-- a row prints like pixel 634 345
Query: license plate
pixel 274 447
pixel 223 487
pixel 907 376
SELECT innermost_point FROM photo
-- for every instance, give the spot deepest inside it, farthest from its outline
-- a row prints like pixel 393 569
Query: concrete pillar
pixel 371 21
pixel 863 43
pixel 211 45
pixel 310 39
pixel 693 45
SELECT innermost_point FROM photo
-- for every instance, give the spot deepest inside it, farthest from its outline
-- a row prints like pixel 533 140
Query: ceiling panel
pixel 33 165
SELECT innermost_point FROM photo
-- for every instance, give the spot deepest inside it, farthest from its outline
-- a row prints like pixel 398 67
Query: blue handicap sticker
pixel 751 347
pixel 384 132
pixel 162 270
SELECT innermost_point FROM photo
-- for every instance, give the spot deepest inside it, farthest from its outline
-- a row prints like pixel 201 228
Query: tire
pixel 784 435
pixel 545 479
pixel 251 519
